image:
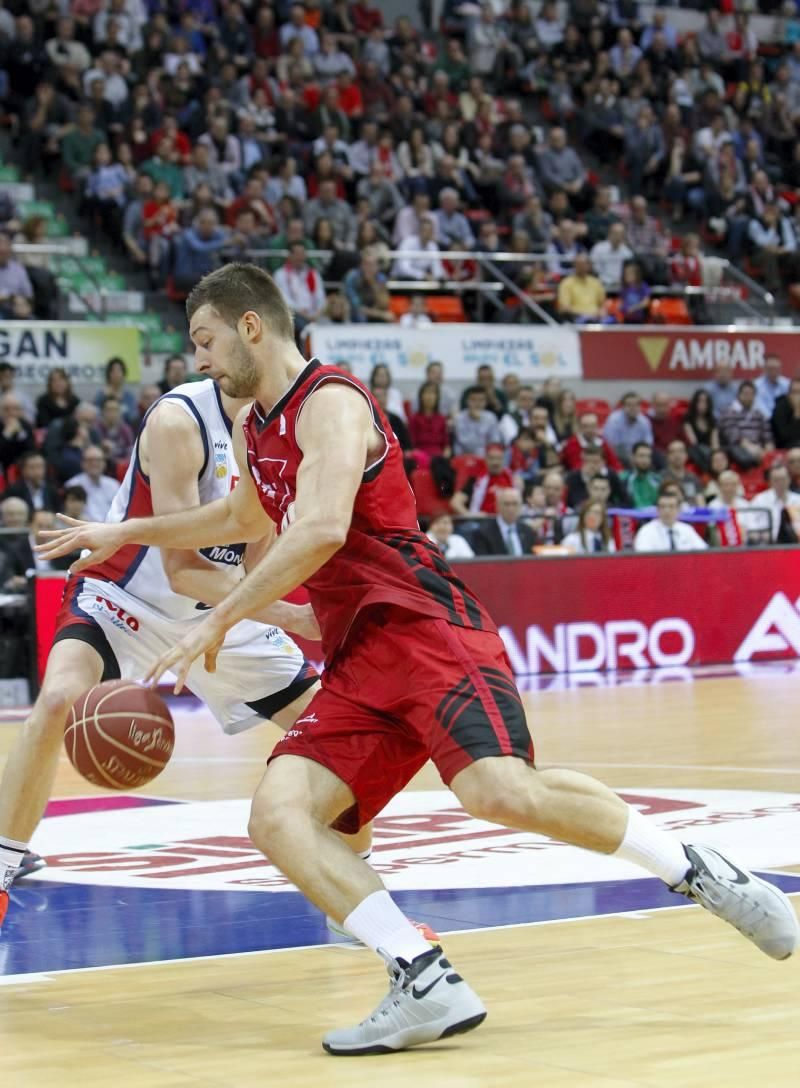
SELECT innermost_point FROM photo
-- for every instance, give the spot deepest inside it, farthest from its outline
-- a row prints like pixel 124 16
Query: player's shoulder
pixel 169 416
pixel 334 387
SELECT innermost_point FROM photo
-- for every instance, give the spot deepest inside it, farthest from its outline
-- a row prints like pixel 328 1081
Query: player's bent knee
pixel 49 713
pixel 275 808
pixel 53 703
pixel 263 824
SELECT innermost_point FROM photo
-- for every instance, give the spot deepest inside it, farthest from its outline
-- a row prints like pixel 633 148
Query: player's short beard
pixel 242 375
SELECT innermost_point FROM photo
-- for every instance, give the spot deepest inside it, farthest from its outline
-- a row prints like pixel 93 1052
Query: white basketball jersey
pixel 139 570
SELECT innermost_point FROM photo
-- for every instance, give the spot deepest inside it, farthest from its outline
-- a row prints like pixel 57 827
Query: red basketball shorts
pixel 406 688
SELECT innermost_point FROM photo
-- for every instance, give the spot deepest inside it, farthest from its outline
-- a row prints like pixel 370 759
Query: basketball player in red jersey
pixel 415 668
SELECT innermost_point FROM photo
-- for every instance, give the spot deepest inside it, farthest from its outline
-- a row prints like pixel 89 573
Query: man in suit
pixel 506 534
pixel 21 556
pixel 32 485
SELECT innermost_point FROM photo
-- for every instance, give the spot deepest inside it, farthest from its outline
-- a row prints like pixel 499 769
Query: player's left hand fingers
pixel 211 656
pixel 181 673
pixel 164 664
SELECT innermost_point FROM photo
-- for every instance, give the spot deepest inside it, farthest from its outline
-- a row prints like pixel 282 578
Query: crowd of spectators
pixel 195 133
pixel 583 476
pixel 521 469
pixel 60 454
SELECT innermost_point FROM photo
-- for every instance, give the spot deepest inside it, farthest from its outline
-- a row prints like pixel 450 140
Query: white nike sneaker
pixel 427 1001
pixel 759 910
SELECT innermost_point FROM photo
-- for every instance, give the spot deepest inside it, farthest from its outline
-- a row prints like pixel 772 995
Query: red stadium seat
pixel 429 501
pixel 399 304
pixel 614 309
pixel 446 308
pixel 466 465
pixel 670 311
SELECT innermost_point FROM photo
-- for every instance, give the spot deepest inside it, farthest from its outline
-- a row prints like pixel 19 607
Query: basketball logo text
pixel 149 740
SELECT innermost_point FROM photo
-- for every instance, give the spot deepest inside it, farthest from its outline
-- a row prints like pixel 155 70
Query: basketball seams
pixel 133 714
pixel 125 747
pixel 90 751
pixel 131 751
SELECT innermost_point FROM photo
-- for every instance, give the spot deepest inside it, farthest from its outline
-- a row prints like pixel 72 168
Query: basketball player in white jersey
pixel 119 617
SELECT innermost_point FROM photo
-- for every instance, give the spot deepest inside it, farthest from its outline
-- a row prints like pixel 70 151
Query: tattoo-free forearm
pixel 197 527
pixel 296 555
pixel 202 580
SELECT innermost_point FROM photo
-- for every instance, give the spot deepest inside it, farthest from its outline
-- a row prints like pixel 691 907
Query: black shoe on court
pixel 759 910
pixel 427 1000
pixel 31 863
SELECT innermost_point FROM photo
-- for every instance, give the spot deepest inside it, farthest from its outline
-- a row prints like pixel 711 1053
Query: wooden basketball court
pixel 628 997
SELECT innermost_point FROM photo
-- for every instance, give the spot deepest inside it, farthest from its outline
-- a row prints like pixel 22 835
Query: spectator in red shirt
pixel 252 200
pixel 479 495
pixel 588 434
pixel 266 39
pixel 427 426
pixel 687 269
pixel 367 16
pixel 377 94
pixel 179 140
pixel 525 461
pixel 160 224
pixel 349 93
pixel 687 266
pixel 666 427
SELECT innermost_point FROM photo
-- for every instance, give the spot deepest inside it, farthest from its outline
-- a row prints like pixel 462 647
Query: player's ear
pixel 251 327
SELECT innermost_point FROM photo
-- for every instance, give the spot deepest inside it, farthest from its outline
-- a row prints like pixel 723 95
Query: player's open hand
pixel 100 540
pixel 205 641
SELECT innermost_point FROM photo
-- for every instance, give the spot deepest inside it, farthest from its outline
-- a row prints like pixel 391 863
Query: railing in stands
pixel 742 299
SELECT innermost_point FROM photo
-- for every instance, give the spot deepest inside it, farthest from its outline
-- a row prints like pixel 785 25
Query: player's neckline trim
pixel 278 407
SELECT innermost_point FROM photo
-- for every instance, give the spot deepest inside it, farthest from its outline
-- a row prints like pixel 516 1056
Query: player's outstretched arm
pixel 237 517
pixel 333 432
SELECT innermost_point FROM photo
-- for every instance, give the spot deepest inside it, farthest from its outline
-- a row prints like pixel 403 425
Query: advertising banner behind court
pixel 579 615
pixel 533 352
pixel 683 353
pixel 642 612
pixel 81 348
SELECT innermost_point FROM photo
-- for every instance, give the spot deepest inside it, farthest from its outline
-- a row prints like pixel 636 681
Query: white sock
pixel 11 855
pixel 378 922
pixel 655 850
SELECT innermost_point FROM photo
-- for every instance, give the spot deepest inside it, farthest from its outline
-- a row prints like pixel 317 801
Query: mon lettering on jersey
pixel 385 557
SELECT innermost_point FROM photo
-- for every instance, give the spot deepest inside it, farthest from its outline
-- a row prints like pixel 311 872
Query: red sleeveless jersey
pixel 385 558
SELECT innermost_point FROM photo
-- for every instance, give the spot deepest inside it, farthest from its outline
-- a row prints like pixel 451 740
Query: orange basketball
pixel 119 735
